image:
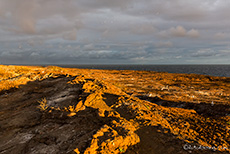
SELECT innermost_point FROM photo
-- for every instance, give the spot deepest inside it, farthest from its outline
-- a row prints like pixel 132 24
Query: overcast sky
pixel 115 31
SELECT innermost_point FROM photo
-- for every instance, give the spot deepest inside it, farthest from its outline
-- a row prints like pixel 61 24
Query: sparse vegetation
pixel 43 104
pixel 121 150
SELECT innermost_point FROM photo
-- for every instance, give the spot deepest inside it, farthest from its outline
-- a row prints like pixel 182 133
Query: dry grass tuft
pixel 43 104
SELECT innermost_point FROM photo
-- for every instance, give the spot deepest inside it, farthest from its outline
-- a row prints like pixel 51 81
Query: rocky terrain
pixel 61 110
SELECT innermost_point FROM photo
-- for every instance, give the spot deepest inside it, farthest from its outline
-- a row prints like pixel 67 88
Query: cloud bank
pixel 102 31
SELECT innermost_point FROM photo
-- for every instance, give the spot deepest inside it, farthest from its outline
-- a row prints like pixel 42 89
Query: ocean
pixel 213 70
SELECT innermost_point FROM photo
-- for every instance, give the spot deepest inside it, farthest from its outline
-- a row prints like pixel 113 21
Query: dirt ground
pixel 55 110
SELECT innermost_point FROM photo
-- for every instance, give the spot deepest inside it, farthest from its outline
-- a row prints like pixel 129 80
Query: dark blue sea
pixel 213 70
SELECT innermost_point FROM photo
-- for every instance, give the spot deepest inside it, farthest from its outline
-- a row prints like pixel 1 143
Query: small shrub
pixel 43 104
pixel 121 150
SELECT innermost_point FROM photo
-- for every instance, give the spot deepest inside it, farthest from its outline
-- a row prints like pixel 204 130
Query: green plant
pixel 121 150
pixel 147 106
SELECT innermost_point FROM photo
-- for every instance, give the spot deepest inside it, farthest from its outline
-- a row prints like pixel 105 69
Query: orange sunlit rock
pixel 110 111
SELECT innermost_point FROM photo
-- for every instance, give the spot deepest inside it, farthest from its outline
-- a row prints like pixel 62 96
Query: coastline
pixel 218 70
pixel 89 110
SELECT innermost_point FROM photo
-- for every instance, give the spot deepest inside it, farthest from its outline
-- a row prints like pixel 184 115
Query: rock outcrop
pixel 59 110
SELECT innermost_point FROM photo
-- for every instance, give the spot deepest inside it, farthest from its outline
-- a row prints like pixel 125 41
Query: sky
pixel 114 32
